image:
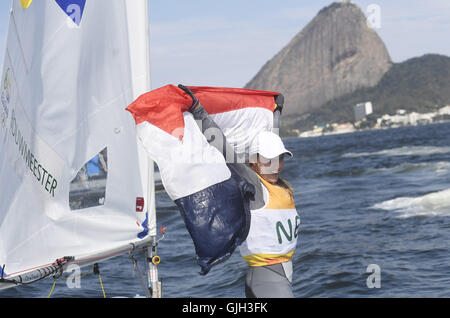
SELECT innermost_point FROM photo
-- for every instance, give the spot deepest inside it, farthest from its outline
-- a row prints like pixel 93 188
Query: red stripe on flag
pixel 162 108
pixel 220 99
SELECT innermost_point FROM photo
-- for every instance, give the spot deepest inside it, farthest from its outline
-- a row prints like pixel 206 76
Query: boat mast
pixel 139 33
pixel 152 256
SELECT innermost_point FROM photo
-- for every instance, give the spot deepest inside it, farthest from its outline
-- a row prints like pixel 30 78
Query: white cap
pixel 269 145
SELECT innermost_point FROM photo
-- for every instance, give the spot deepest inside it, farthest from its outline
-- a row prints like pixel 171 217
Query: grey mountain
pixel 334 55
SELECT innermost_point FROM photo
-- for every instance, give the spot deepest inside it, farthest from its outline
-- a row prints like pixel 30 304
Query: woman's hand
pixel 194 99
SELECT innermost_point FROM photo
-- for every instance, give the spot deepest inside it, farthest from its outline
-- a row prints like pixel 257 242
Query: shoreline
pixel 362 130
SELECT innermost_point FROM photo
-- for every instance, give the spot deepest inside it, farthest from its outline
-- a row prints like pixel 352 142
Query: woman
pixel 273 234
pixel 272 237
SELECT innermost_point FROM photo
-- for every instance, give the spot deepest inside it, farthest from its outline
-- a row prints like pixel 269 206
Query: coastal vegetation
pixel 419 85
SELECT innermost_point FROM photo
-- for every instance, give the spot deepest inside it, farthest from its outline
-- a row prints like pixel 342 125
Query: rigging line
pixel 140 276
pixel 53 287
pixel 79 277
pixel 56 269
pixel 101 284
pixel 32 269
pixel 28 270
pixel 94 267
pixel 106 256
pixel 97 271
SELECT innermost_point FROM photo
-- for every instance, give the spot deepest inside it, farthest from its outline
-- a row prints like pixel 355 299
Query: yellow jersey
pixel 272 238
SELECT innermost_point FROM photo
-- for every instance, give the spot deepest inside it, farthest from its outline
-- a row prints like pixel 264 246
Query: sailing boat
pixel 76 187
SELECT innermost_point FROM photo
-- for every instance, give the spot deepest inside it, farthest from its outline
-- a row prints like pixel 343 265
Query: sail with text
pixel 198 177
pixel 74 181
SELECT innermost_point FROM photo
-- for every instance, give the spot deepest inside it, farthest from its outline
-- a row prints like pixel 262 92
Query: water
pixel 375 197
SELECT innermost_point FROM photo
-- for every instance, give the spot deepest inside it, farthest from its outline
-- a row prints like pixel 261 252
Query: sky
pixel 225 43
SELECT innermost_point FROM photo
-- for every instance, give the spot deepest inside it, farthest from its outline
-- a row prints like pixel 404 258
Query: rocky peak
pixel 335 54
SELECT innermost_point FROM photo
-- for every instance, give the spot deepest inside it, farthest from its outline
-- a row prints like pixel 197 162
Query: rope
pixel 79 277
pixel 53 287
pixel 140 276
pixel 101 284
pixel 97 271
pixel 95 268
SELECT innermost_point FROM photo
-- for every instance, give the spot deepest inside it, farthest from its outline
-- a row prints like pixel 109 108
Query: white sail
pixel 70 70
pixel 139 39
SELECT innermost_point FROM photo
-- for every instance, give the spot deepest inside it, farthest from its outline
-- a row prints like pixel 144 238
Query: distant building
pixel 444 110
pixel 363 110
